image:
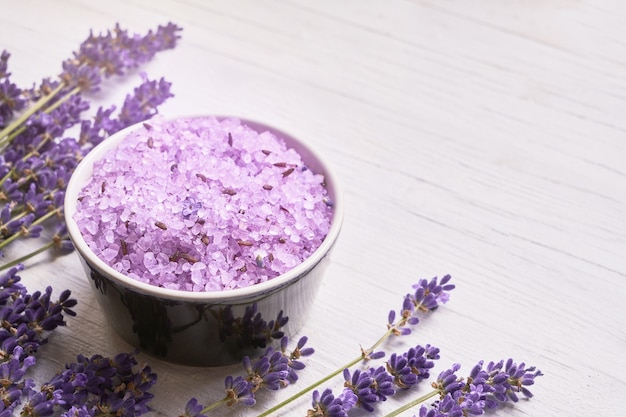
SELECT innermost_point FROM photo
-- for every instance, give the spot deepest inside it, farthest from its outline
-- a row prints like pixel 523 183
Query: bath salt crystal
pixel 109 254
pixel 202 204
pixel 149 260
pixel 196 272
pixel 109 236
pixel 91 227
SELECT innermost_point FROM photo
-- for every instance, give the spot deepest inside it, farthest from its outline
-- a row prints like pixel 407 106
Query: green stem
pixel 27 256
pixel 4 133
pixel 63 99
pixel 413 403
pixel 47 216
pixel 214 405
pixel 18 215
pixel 7 176
pixel 40 220
pixel 364 355
pixel 380 341
pixel 56 104
pixel 10 239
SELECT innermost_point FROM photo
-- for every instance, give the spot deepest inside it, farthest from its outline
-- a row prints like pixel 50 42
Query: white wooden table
pixel 485 139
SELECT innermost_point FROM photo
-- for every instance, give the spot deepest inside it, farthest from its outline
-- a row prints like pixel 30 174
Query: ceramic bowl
pixel 205 328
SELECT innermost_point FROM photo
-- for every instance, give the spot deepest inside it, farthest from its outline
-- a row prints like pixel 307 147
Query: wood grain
pixel 479 138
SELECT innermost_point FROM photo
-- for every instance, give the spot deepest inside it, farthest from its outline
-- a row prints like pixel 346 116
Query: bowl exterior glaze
pixel 205 329
pixel 205 334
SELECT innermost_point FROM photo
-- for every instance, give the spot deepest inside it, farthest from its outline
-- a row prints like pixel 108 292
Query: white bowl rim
pixel 85 168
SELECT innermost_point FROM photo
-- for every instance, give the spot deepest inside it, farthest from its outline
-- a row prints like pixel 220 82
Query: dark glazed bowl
pixel 205 328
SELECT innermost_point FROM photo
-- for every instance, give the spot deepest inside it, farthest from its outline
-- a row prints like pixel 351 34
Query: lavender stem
pixel 413 403
pixel 4 133
pixel 27 256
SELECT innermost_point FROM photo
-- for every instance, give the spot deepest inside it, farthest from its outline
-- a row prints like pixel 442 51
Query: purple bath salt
pixel 202 204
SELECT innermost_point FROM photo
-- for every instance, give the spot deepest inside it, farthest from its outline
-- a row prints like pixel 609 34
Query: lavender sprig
pixel 88 387
pixel 25 319
pixel 274 370
pixel 485 388
pixel 426 297
pixel 11 99
pixel 366 388
pixel 103 55
pixel 95 386
pixel 14 384
pixel 137 107
pixel 25 322
pixel 36 160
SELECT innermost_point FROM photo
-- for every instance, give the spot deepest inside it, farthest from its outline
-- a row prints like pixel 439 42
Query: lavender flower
pixel 360 383
pixel 144 101
pixel 413 366
pixel 265 372
pixel 239 390
pixel 373 385
pixel 293 363
pixel 382 383
pixel 60 238
pixel 14 386
pixel 4 58
pixel 25 321
pixel 113 53
pixel 427 297
pixel 36 160
pixel 98 385
pixel 117 51
pixel 11 98
pixel 79 411
pixel 193 409
pixel 276 368
pixel 398 367
pixel 85 77
pixel 508 379
pixel 27 318
pixel 137 107
pixel 485 388
pixel 327 405
pixel 273 370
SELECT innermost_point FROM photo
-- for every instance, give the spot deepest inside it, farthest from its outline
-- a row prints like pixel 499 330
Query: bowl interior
pixel 85 170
